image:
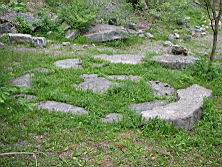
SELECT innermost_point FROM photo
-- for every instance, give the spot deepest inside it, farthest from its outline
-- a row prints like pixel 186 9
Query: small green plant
pixel 17 6
pixel 77 14
pixel 23 26
pixel 45 23
pixel 5 94
pixel 205 70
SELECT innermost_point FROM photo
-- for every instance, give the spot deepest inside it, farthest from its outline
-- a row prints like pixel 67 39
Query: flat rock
pixel 161 89
pixel 112 118
pixel 25 97
pixel 122 58
pixel 54 106
pixel 95 84
pixel 105 32
pixel 39 42
pixel 138 108
pixel 175 61
pixel 124 78
pixel 183 113
pixel 24 81
pixel 68 63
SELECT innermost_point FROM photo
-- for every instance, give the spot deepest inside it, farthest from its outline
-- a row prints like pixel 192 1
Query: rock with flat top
pixel 161 89
pixel 112 118
pixel 54 106
pixel 175 61
pixel 95 84
pixel 122 58
pixel 105 32
pixel 183 113
pixel 24 81
pixel 138 108
pixel 68 63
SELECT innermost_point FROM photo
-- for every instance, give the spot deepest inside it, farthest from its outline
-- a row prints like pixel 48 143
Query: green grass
pixel 68 140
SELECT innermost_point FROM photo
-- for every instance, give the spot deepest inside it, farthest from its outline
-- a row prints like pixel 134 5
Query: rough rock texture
pixel 161 89
pixel 71 34
pixel 105 32
pixel 112 118
pixel 175 61
pixel 28 39
pixel 124 77
pixel 122 58
pixel 147 106
pixel 68 63
pixel 7 28
pixel 54 106
pixel 179 50
pixel 95 84
pixel 24 81
pixel 183 113
pixel 40 42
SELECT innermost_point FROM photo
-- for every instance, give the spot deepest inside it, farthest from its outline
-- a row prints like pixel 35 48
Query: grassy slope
pixel 71 141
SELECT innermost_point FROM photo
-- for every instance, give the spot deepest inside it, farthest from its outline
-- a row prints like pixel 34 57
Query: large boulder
pixel 179 50
pixel 105 32
pixel 27 39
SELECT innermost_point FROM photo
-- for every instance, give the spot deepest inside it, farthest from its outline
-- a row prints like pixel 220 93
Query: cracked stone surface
pixel 24 81
pixel 54 106
pixel 68 63
pixel 112 118
pixel 124 77
pixel 122 58
pixel 175 61
pixel 161 89
pixel 183 113
pixel 138 108
pixel 95 84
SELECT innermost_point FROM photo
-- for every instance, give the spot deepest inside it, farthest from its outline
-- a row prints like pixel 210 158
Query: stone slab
pixel 122 58
pixel 183 113
pixel 175 61
pixel 112 118
pixel 138 108
pixel 54 106
pixel 24 81
pixel 161 89
pixel 95 84
pixel 68 63
pixel 124 78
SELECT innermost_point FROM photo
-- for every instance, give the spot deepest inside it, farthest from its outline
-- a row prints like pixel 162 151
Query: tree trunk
pixel 212 55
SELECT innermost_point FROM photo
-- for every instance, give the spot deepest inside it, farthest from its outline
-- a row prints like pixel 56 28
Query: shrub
pixel 77 14
pixel 23 26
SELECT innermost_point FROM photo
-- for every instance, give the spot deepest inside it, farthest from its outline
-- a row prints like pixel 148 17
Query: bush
pixel 23 26
pixel 45 23
pixel 77 14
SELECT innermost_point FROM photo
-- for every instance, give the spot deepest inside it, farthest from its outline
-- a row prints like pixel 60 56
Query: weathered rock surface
pixel 183 113
pixel 7 28
pixel 1 45
pixel 167 44
pixel 54 106
pixel 161 89
pixel 27 39
pixel 147 105
pixel 26 97
pixel 122 58
pixel 68 63
pixel 124 77
pixel 71 34
pixel 179 50
pixel 24 81
pixel 175 61
pixel 105 32
pixel 40 42
pixel 95 84
pixel 112 118
pixel 173 36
